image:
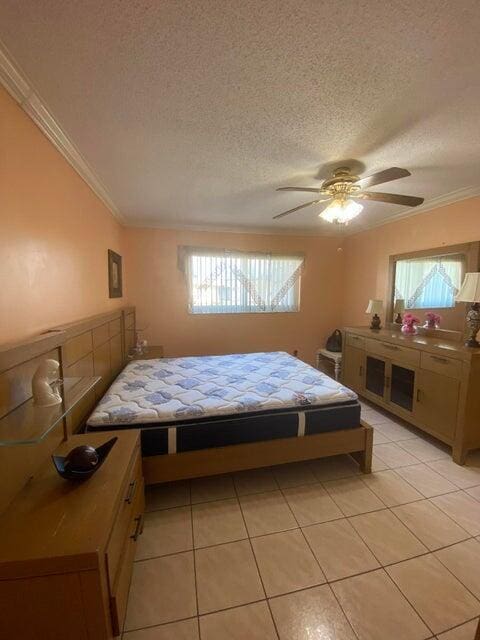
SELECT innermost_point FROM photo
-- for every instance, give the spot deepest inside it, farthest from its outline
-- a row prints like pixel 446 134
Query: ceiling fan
pixel 344 189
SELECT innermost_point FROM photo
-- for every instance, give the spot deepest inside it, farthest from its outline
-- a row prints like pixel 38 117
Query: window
pixel 221 281
pixel 429 282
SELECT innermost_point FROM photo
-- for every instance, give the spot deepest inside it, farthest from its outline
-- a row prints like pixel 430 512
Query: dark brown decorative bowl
pixel 82 462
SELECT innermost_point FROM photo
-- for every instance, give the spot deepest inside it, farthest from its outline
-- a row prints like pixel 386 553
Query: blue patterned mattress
pixel 175 390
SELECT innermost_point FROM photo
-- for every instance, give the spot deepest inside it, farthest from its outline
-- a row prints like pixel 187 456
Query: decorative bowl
pixel 77 467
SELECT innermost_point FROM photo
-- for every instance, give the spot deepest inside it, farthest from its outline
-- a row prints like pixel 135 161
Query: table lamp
pixel 470 292
pixel 375 307
pixel 399 308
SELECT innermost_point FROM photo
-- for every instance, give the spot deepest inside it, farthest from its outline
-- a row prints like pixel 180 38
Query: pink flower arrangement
pixel 432 320
pixel 409 323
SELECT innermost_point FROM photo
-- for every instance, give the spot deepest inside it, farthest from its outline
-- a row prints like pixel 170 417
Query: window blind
pixel 429 283
pixel 221 281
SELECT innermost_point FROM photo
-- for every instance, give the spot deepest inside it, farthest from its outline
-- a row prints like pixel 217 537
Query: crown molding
pixel 19 87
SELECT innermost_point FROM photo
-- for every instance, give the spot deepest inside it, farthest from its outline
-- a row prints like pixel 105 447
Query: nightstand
pixel 149 353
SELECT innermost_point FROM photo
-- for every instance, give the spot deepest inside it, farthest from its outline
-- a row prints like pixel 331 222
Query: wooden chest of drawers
pixel 67 549
pixel 431 382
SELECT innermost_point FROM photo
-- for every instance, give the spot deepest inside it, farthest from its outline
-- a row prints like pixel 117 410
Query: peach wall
pixel 54 236
pixel 158 290
pixel 367 253
pixel 55 233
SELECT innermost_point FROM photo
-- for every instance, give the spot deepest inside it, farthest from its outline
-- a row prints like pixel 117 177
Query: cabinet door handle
pixel 392 347
pixel 131 491
pixel 138 528
pixel 360 371
pixel 439 359
pixel 418 395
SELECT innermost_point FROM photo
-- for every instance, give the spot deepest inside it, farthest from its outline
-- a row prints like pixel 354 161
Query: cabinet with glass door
pixel 390 382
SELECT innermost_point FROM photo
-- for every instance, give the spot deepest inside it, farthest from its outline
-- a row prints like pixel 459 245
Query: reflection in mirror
pixel 428 281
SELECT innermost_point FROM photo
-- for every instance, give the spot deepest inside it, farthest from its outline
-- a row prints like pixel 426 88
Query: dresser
pixel 67 548
pixel 433 383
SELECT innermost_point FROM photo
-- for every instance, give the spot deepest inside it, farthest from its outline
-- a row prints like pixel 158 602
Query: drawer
pixel 115 327
pixel 119 597
pixel 132 500
pixel 100 335
pixel 355 341
pixel 403 355
pixel 439 364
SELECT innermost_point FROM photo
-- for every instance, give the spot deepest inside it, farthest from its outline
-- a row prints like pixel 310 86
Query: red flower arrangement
pixel 432 320
pixel 409 323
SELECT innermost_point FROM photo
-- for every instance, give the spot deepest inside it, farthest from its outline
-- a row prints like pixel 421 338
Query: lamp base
pixel 473 343
pixel 376 323
pixel 473 323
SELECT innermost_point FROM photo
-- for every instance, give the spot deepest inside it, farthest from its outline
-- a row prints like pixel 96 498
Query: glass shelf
pixel 29 424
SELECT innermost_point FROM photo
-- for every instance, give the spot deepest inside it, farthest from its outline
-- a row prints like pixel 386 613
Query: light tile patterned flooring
pixel 316 550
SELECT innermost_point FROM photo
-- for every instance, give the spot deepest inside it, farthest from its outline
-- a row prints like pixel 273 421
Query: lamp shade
pixel 374 306
pixel 399 306
pixel 470 289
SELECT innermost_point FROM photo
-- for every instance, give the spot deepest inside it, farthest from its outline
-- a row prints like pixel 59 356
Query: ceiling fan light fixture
pixel 341 211
pixel 345 189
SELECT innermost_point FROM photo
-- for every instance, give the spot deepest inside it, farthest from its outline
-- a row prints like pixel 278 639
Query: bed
pixel 211 414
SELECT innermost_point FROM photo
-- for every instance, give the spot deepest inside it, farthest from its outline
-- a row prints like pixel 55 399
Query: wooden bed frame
pixel 98 346
pixel 357 442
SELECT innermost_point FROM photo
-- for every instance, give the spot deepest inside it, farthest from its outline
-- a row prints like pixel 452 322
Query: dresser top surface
pixel 418 341
pixel 56 518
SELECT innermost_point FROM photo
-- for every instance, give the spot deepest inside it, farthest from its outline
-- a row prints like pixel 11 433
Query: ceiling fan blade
pixel 302 206
pixel 310 189
pixel 394 173
pixel 391 198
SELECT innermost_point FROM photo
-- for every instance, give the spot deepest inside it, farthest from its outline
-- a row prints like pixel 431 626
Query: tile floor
pixel 316 550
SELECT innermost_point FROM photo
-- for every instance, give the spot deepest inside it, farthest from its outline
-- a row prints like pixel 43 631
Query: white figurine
pixel 45 384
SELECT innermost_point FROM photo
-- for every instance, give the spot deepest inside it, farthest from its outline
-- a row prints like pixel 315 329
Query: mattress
pixel 183 404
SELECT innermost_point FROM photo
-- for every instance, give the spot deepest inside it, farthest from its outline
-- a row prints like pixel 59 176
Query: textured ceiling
pixel 192 112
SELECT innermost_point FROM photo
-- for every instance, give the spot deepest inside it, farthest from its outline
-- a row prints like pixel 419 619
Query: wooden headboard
pixel 130 328
pixel 95 346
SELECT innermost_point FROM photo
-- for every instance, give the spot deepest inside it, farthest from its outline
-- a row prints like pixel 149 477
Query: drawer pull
pixel 439 359
pixel 131 491
pixel 138 528
pixel 418 395
pixel 392 347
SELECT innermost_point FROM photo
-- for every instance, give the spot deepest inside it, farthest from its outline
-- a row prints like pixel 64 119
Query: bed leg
pixel 364 458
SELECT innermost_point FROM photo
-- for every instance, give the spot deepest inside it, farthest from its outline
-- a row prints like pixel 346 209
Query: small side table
pixel 334 356
pixel 152 352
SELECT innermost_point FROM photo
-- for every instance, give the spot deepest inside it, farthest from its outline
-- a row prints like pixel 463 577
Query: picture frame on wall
pixel 115 288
